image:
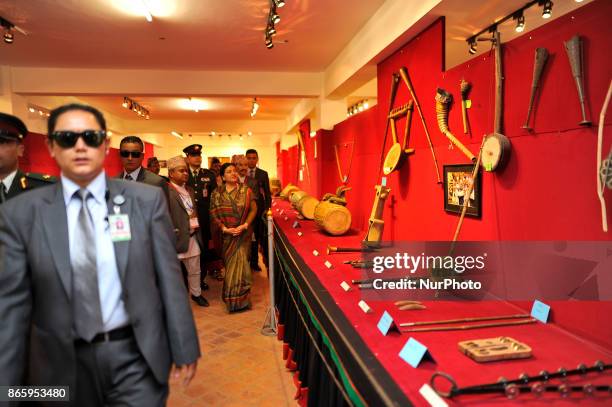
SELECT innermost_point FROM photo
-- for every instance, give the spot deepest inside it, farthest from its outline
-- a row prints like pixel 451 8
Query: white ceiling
pixel 199 34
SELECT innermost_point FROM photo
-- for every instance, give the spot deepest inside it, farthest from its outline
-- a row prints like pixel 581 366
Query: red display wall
pixel 548 189
pixel 36 157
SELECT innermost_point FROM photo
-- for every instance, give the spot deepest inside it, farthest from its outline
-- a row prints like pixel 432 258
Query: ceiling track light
pixel 136 108
pixel 177 134
pixel 254 107
pixel 8 27
pixel 517 15
pixel 145 10
pixel 273 19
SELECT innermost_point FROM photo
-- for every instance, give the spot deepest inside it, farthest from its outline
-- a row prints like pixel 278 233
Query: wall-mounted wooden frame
pixel 457 179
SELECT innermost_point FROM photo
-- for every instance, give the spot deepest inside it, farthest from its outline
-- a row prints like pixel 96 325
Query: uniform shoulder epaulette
pixel 41 177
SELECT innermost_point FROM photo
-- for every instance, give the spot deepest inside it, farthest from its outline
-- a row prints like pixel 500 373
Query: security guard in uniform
pixel 203 182
pixel 12 180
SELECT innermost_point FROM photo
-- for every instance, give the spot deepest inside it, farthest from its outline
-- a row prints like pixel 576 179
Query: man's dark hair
pixel 251 151
pixel 215 160
pixel 132 139
pixel 58 111
pixel 225 167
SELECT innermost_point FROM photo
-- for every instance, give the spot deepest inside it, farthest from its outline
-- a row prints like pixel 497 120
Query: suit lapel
pixel 15 188
pixel 56 231
pixel 141 175
pixel 122 247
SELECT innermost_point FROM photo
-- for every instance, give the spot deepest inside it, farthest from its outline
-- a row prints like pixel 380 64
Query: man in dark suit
pixel 153 166
pixel 264 201
pixel 13 181
pixel 131 151
pixel 203 182
pixel 90 290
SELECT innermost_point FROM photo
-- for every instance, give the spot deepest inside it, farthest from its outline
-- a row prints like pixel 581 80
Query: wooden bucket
pixel 306 206
pixel 334 219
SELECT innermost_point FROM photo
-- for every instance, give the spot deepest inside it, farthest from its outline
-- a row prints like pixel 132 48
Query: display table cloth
pixel 341 358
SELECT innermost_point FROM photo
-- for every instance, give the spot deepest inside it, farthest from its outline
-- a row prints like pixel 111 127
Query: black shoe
pixel 204 285
pixel 201 301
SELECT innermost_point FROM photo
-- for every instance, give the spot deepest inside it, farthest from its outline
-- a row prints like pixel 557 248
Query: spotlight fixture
pixel 8 30
pixel 472 42
pixel 547 9
pixel 177 134
pixel 269 43
pixel 254 107
pixel 41 111
pixel 275 17
pixel 240 136
pixel 357 107
pixel 146 12
pixel 279 3
pixel 520 23
pixel 136 108
pixel 8 36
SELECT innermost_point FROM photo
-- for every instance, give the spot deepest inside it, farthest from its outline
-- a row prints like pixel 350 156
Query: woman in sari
pixel 233 209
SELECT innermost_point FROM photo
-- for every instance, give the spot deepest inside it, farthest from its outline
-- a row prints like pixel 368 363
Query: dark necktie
pixel 85 296
pixel 128 177
pixel 252 173
pixel 2 192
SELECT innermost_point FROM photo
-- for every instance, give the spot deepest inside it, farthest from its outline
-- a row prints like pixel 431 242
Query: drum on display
pixel 332 218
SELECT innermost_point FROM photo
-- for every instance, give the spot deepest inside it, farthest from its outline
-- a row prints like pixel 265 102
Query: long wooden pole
pixel 600 182
pixel 404 74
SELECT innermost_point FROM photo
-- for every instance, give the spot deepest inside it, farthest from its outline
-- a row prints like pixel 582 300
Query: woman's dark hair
pixel 58 111
pixel 225 167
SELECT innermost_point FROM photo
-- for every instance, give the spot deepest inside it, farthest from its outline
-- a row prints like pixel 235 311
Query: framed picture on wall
pixel 457 181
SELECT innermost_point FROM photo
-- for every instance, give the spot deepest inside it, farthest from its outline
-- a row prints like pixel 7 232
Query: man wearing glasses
pixel 88 299
pixel 12 180
pixel 131 151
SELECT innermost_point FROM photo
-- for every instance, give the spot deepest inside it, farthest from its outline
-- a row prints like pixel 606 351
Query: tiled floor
pixel 239 366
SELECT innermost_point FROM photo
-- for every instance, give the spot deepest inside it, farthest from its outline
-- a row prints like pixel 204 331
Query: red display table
pixel 367 364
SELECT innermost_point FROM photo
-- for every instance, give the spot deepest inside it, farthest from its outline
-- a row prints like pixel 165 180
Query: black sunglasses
pixel 134 154
pixel 68 139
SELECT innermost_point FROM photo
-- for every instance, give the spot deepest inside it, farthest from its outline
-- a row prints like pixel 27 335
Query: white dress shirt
pixel 8 180
pixel 114 314
pixel 134 174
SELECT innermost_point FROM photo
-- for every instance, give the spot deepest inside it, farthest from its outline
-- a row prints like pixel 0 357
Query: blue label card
pixel 413 352
pixel 386 324
pixel 540 311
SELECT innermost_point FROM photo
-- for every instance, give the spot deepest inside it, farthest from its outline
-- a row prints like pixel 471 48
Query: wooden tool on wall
pixel 573 47
pixel 406 78
pixel 398 152
pixel 376 223
pixel 496 149
pixel 443 101
pixel 465 88
pixel 541 57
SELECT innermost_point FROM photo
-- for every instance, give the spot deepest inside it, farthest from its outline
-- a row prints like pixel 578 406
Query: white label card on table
pixel 296 224
pixel 345 286
pixel 299 233
pixel 364 307
pixel 431 396
pixel 286 218
pixel 315 253
pixel 328 264
pixel 282 211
